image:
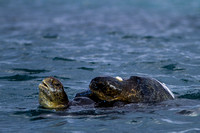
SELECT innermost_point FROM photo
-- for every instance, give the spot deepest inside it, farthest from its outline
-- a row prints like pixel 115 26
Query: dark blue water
pixel 76 41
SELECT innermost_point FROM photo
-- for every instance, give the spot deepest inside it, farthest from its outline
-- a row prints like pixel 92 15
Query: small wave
pixel 175 122
pixel 186 80
pixel 50 36
pixel 32 95
pixel 148 37
pixel 191 95
pixel 188 130
pixel 172 67
pixel 78 112
pixel 20 41
pixel 113 32
pixel 86 68
pixel 30 71
pixel 59 77
pixel 34 115
pixel 18 77
pixel 129 37
pixel 62 59
pixel 33 112
pixel 188 113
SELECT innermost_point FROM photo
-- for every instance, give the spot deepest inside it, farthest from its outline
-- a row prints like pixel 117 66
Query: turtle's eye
pixel 57 84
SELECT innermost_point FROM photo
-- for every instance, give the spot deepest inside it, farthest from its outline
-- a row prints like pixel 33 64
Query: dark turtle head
pixel 52 94
pixel 106 88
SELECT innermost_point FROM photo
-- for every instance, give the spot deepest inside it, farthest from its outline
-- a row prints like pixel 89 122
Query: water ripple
pixel 30 71
pixel 86 68
pixel 19 77
pixel 195 94
pixel 175 122
pixel 75 41
pixel 62 59
pixel 188 113
pixel 188 130
pixel 172 67
pixel 50 36
pixel 79 113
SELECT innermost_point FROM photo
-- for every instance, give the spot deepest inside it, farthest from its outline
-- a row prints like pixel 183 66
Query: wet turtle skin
pixel 133 90
pixel 52 94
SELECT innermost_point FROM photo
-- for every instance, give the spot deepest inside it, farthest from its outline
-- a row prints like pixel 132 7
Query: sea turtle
pixel 133 90
pixel 104 90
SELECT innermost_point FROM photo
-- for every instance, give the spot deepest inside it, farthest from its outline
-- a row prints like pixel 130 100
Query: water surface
pixel 76 41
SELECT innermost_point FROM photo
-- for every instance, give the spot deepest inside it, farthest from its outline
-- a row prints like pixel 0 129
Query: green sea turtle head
pixel 107 88
pixel 52 94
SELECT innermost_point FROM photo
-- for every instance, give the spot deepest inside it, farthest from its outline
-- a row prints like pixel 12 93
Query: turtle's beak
pixel 44 89
pixel 47 85
pixel 43 85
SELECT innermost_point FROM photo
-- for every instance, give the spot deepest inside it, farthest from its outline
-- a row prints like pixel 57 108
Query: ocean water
pixel 78 40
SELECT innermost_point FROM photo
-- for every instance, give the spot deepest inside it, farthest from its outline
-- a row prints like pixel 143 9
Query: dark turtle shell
pixel 135 89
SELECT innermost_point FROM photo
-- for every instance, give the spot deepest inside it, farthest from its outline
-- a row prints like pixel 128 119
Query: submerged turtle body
pixel 133 90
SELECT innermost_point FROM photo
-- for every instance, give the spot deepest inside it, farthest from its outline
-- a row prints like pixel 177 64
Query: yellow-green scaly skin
pixel 52 94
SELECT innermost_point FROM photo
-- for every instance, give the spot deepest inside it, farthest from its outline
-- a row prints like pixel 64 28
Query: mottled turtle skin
pixel 133 90
pixel 52 94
